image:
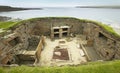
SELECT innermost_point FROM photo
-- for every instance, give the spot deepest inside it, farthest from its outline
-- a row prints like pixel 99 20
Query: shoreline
pixel 99 7
pixel 9 8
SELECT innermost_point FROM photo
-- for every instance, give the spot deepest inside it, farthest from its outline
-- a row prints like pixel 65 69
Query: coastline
pixel 104 7
pixel 9 8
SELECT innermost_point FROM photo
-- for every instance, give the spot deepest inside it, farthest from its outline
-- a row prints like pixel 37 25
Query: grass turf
pixel 93 67
pixel 6 25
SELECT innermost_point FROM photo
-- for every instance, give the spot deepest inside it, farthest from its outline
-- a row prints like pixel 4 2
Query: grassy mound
pixel 93 67
pixel 7 25
pixel 104 26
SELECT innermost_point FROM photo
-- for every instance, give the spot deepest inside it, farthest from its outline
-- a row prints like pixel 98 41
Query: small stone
pixel 58 53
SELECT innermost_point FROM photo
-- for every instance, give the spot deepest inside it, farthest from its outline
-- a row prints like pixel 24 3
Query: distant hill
pixel 9 8
pixel 109 7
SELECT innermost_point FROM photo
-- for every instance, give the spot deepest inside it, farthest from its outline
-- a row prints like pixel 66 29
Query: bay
pixel 108 16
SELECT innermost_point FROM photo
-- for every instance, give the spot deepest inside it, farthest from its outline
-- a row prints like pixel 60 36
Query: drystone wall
pixel 28 32
pixel 43 26
pixel 13 43
pixel 105 44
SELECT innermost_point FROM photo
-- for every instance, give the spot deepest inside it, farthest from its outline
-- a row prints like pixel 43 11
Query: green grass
pixel 109 29
pixel 9 24
pixel 104 26
pixel 93 67
pixel 6 25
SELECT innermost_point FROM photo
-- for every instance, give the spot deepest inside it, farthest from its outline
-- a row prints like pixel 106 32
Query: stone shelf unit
pixel 59 32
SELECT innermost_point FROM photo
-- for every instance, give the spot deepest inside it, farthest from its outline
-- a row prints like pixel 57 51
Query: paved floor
pixel 76 54
pixel 74 50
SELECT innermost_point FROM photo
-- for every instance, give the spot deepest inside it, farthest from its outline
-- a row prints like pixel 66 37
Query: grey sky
pixel 41 3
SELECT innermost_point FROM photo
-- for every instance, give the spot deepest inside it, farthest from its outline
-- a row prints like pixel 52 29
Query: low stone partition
pixel 39 49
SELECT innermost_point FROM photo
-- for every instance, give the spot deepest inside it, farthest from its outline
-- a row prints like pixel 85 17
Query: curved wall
pixel 29 32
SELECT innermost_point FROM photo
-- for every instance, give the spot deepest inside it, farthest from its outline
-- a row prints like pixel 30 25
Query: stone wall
pixel 8 46
pixel 105 44
pixel 42 26
pixel 39 49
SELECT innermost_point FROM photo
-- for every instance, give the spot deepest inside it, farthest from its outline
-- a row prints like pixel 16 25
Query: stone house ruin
pixel 25 44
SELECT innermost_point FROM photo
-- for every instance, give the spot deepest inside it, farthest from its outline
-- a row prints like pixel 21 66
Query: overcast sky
pixel 46 3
